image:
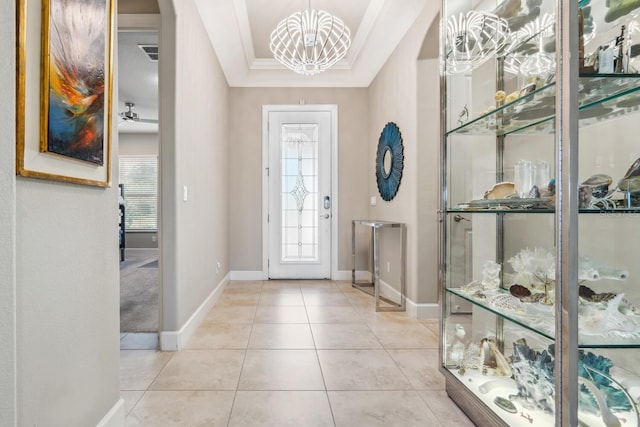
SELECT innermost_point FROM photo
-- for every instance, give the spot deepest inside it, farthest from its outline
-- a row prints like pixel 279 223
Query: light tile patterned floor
pixel 293 353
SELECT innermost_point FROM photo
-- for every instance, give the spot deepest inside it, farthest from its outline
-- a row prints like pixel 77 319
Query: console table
pixel 373 288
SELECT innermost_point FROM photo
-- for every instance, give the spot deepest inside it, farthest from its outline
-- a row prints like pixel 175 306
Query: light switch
pixel 373 200
pixel 184 193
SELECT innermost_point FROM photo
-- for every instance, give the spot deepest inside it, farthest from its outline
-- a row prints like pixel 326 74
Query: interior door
pixel 299 191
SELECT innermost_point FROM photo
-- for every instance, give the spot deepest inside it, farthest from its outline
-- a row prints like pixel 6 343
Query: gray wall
pixel 7 216
pixel 403 92
pixel 428 190
pixel 246 157
pixel 393 96
pixel 138 6
pixel 194 152
pixel 138 144
pixel 67 301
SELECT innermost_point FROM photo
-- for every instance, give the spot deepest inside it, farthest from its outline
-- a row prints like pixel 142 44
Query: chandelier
pixel 472 38
pixel 310 41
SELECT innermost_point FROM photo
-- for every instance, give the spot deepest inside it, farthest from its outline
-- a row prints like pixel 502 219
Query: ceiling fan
pixel 131 116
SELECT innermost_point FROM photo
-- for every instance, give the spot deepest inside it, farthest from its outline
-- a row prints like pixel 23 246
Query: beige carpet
pixel 139 296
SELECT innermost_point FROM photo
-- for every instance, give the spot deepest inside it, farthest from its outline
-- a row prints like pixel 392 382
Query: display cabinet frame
pixel 565 124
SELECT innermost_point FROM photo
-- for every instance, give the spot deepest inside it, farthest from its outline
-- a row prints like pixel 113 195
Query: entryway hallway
pixel 293 353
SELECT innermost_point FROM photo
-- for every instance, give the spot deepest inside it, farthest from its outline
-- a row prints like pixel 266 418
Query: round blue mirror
pixel 389 161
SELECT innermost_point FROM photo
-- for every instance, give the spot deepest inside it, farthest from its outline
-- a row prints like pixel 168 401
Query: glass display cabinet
pixel 539 271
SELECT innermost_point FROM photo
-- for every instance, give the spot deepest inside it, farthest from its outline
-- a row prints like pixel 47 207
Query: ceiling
pixel 137 81
pixel 239 32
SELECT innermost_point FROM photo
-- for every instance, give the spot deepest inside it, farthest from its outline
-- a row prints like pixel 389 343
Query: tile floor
pixel 292 353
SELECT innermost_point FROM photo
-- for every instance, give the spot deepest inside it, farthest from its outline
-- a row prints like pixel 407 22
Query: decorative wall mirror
pixel 389 161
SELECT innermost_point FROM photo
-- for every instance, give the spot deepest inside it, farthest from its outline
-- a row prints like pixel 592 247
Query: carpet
pixel 152 264
pixel 138 296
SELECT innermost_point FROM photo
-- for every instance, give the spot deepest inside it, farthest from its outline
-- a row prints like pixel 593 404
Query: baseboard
pixel 414 310
pixel 347 275
pixel 246 275
pixel 423 311
pixel 174 340
pixel 115 416
pixel 389 291
pixel 342 275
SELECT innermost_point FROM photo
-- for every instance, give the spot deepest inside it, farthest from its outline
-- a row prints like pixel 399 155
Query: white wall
pixel 194 151
pixel 7 216
pixel 393 98
pixel 246 156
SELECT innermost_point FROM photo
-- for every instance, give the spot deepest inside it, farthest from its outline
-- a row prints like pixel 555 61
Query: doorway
pixel 138 135
pixel 299 191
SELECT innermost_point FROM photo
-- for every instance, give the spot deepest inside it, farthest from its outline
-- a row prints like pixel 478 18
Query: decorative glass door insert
pixel 300 202
pixel 299 173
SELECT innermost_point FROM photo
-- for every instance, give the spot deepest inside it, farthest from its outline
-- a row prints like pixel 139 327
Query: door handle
pixel 325 216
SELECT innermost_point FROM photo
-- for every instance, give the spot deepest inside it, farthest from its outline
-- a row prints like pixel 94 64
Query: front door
pixel 299 192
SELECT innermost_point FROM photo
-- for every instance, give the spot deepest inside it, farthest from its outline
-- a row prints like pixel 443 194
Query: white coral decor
pixel 534 267
pixel 491 275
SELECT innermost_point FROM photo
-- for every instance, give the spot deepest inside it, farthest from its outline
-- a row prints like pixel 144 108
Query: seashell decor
pixel 501 190
pixel 631 180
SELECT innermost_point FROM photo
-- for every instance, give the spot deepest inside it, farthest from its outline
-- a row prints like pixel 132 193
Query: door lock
pixel 327 202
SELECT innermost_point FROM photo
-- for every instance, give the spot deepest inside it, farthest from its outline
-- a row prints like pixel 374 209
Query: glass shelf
pixel 487 388
pixel 496 210
pixel 540 319
pixel 602 97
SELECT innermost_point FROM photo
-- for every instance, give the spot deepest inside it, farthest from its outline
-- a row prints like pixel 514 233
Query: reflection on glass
pixel 386 166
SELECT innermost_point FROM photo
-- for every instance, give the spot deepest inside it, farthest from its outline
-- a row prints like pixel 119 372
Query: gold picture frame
pixel 62 102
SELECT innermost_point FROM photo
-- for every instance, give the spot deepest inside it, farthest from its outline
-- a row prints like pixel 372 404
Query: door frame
pixel 333 110
pixel 152 23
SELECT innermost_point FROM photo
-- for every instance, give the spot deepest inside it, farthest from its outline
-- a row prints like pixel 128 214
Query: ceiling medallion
pixel 310 41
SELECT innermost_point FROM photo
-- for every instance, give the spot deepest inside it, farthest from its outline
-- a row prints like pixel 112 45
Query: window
pixel 139 176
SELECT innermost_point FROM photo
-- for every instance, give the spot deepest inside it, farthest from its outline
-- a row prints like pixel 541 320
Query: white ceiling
pixel 239 32
pixel 137 81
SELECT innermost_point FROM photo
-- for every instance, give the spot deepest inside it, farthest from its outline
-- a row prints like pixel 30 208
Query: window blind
pixel 139 176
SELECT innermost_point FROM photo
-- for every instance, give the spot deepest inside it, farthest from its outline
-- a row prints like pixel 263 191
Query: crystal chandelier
pixel 472 38
pixel 310 41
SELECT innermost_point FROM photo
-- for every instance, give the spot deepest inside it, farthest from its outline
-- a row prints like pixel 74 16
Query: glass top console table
pixel 373 288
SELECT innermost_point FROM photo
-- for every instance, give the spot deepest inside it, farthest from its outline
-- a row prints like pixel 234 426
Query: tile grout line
pixel 324 382
pixel 246 350
pixel 148 388
pixel 362 312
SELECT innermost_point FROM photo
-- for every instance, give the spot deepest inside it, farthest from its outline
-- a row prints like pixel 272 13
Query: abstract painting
pixel 64 82
pixel 73 92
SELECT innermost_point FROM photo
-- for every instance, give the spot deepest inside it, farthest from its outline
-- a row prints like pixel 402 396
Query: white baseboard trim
pixel 174 340
pixel 246 275
pixel 360 275
pixel 115 416
pixel 423 311
pixel 414 310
